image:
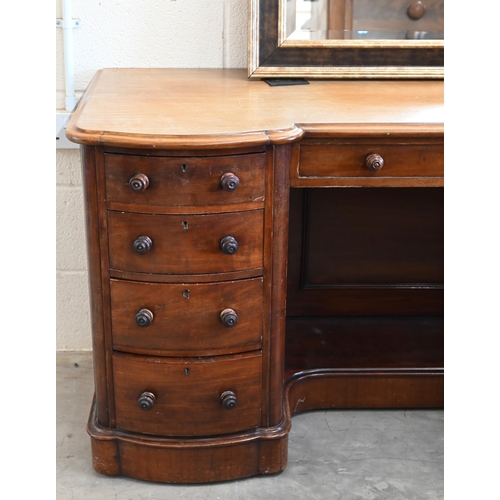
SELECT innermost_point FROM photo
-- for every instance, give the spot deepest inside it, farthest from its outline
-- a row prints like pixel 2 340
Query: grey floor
pixel 334 455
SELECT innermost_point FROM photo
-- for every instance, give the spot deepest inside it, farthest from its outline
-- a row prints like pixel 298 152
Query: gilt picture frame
pixel 272 53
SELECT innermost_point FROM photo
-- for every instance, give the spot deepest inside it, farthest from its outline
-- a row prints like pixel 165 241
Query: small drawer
pixel 185 244
pixel 187 319
pixel 371 160
pixel 166 182
pixel 187 397
pixel 398 15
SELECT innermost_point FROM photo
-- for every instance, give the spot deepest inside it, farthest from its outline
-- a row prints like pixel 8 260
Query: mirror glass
pixel 364 20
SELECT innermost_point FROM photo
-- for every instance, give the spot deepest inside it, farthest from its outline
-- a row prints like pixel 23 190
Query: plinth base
pixel 152 458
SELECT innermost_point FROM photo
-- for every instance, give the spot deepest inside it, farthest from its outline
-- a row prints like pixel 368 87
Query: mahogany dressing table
pixel 255 252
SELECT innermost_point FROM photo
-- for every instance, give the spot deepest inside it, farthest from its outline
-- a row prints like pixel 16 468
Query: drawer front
pixel 187 397
pixel 185 244
pixel 360 160
pixel 187 319
pixel 397 15
pixel 158 181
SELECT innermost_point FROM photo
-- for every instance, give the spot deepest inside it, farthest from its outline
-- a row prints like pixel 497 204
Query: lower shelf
pixel 364 362
pixel 350 389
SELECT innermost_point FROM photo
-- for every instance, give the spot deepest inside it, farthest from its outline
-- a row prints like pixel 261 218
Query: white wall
pixel 127 33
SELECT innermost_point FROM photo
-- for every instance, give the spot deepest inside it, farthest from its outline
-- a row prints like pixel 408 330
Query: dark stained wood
pixel 373 237
pixel 368 302
pixel 365 389
pixel 281 190
pixel 203 464
pixel 269 397
pixel 348 160
pixel 187 317
pixel 188 394
pixel 368 342
pixel 105 454
pixel 171 180
pixel 366 252
pixel 229 181
pixel 152 458
pixel 374 162
pixel 138 183
pixel 96 281
pixel 178 249
pixel 107 407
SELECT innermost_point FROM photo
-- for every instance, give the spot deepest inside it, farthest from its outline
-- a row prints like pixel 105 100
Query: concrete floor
pixel 334 455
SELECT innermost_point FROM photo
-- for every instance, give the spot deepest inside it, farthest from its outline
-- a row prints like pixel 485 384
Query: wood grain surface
pixel 221 108
pixel 186 317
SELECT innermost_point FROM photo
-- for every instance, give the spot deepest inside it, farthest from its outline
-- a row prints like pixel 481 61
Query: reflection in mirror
pixel 364 19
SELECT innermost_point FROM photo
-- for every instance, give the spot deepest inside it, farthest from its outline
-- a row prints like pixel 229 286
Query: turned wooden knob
pixel 229 400
pixel 229 182
pixel 143 244
pixel 416 10
pixel 144 318
pixel 228 245
pixel 139 183
pixel 374 162
pixel 229 317
pixel 146 401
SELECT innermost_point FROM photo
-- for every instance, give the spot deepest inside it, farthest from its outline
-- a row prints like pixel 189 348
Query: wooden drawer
pixel 187 319
pixel 187 394
pixel 183 181
pixel 185 244
pixel 336 159
pixel 398 15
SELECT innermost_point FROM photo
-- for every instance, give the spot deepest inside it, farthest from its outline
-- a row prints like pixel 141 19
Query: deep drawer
pixel 187 319
pixel 326 159
pixel 161 182
pixel 187 397
pixel 185 244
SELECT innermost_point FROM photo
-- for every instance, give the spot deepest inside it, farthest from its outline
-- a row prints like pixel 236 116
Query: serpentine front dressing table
pixel 254 252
